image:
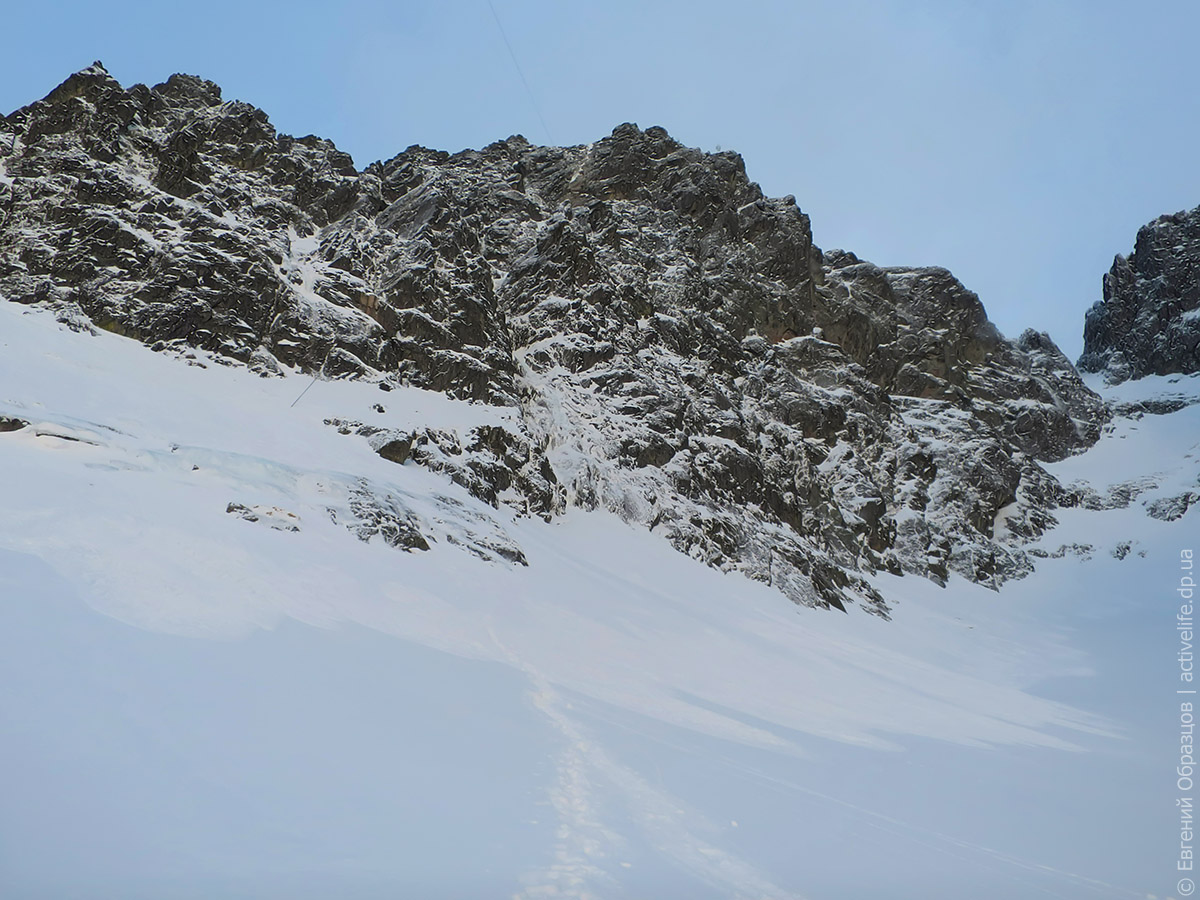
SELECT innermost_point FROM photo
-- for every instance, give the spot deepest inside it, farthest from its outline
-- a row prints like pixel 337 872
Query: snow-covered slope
pixel 222 674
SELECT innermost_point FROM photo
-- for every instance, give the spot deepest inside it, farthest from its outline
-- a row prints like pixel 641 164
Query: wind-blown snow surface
pixel 193 705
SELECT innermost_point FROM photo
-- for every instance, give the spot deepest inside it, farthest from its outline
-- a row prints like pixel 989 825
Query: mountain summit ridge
pixel 675 346
pixel 1148 322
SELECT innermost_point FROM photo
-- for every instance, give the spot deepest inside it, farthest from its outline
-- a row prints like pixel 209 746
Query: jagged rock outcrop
pixel 1149 320
pixel 678 349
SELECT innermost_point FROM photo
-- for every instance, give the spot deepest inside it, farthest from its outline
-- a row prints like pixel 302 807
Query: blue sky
pixel 1020 144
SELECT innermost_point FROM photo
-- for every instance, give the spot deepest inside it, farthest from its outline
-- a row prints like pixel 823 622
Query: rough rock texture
pixel 1149 320
pixel 678 349
pixel 11 423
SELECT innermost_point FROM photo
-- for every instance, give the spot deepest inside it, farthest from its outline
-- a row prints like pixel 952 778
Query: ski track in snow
pixel 583 841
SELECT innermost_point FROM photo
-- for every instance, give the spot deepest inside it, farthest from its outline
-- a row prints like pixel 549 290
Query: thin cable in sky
pixel 517 66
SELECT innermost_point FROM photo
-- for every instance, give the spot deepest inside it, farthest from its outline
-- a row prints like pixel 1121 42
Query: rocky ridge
pixel 677 348
pixel 1149 320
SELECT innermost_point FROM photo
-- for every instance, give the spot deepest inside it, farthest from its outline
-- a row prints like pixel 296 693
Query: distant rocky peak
pixel 1149 320
pixel 91 83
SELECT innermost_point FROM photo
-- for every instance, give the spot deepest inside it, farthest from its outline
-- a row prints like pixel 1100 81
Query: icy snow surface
pixel 196 705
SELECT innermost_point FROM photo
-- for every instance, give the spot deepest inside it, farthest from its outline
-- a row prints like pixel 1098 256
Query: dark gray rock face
pixel 11 423
pixel 1149 320
pixel 677 349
